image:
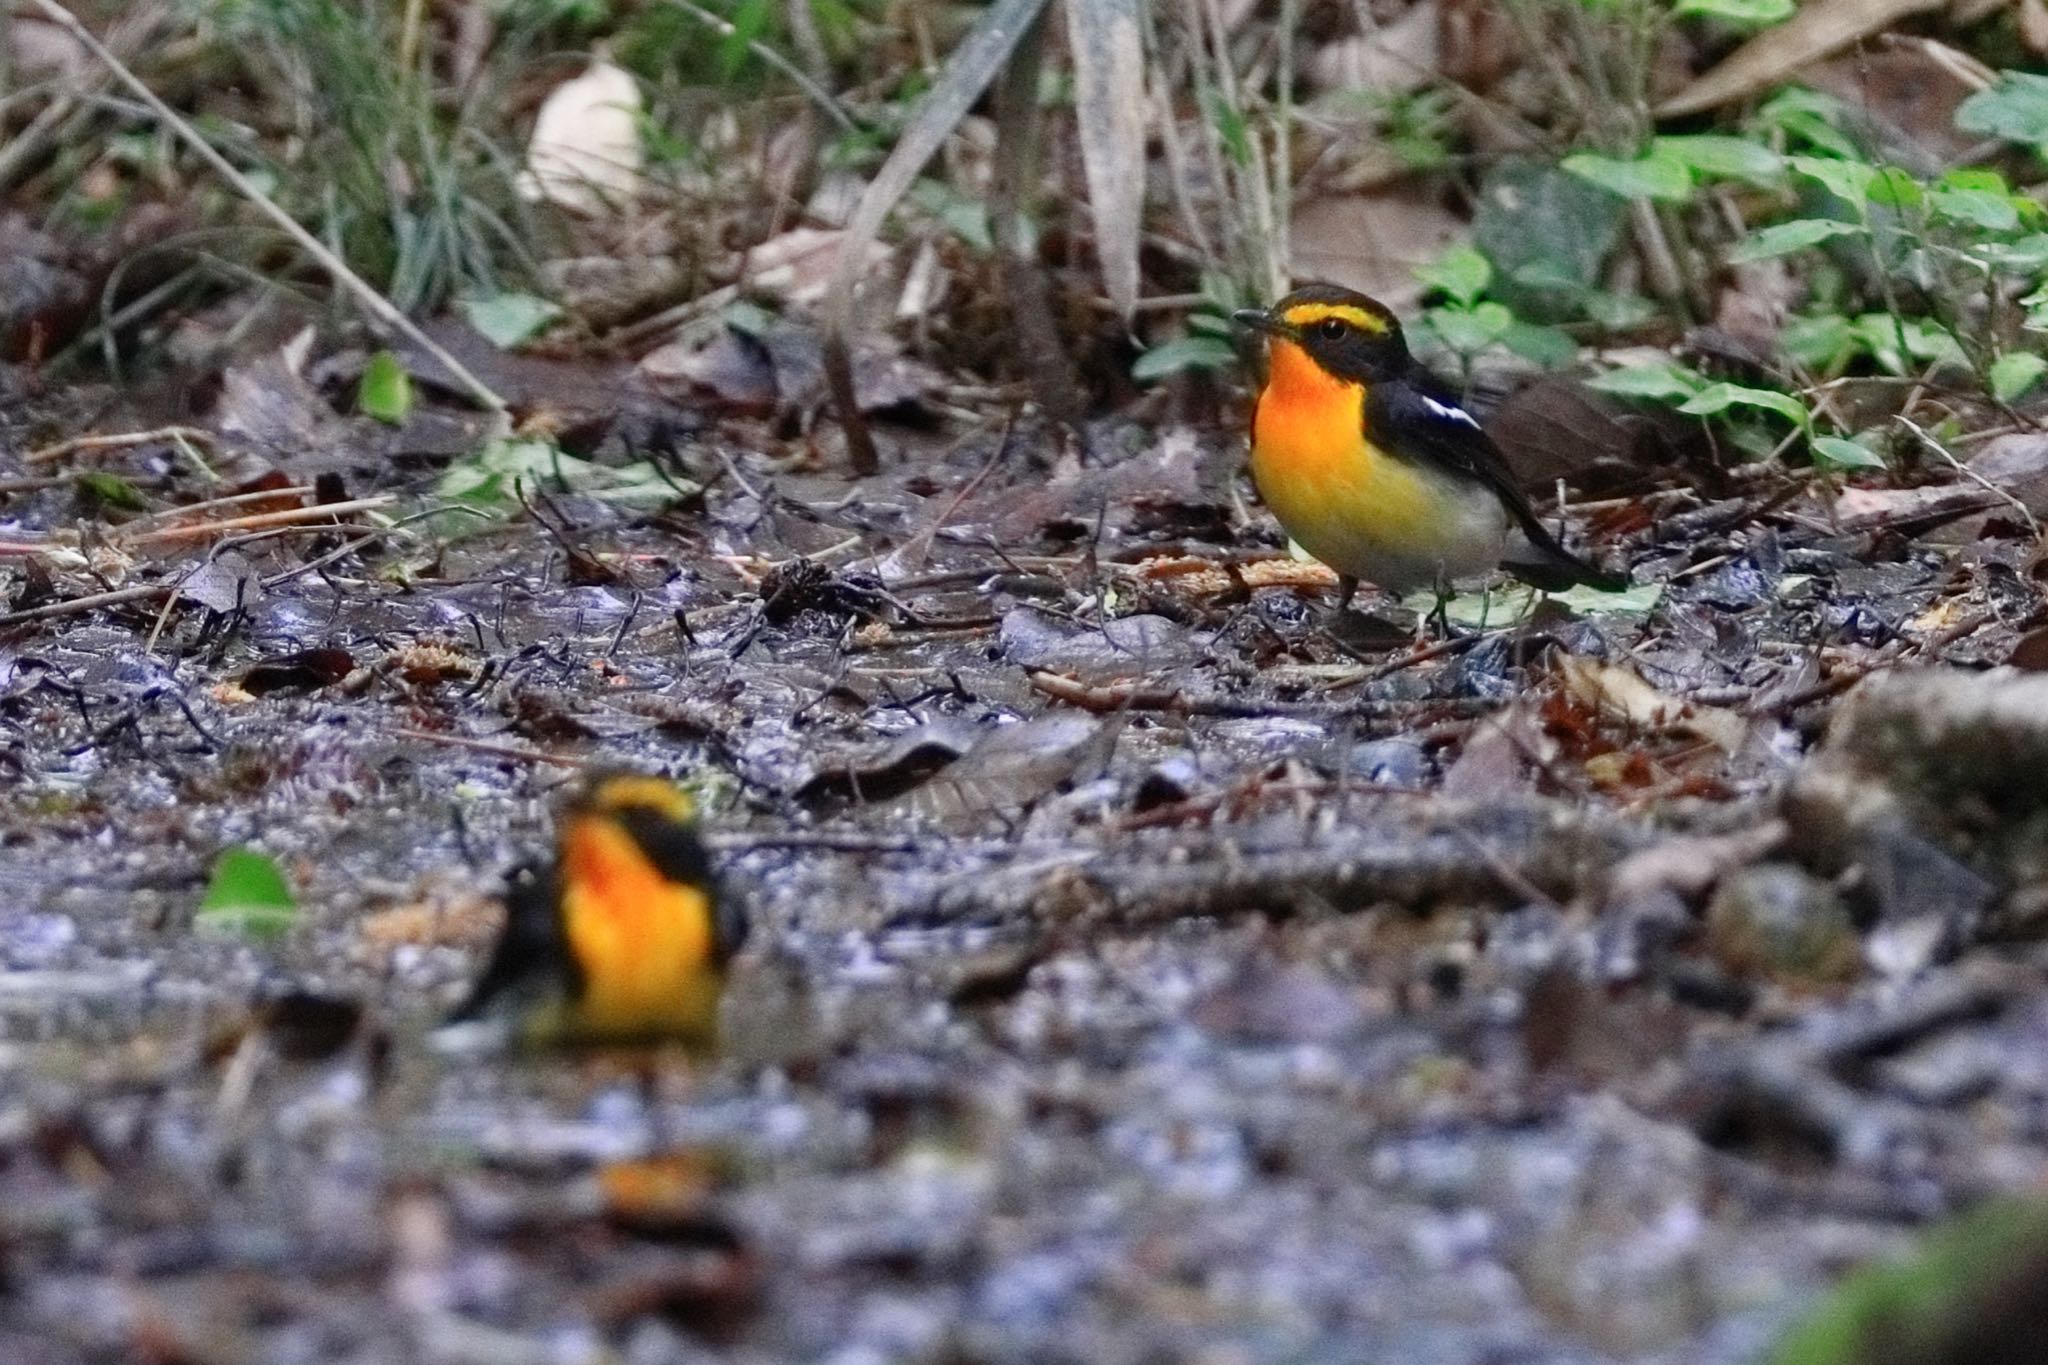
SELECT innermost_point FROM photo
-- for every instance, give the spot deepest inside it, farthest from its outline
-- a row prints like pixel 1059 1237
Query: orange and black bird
pixel 624 937
pixel 1372 465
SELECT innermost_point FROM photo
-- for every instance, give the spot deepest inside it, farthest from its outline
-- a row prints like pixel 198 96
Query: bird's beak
pixel 1259 320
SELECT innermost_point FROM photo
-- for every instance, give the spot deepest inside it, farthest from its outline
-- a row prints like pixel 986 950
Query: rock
pixel 1781 921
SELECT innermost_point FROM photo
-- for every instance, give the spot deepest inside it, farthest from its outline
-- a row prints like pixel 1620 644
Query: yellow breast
pixel 644 943
pixel 1392 522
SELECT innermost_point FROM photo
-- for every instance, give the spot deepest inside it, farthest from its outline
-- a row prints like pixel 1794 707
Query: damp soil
pixel 1146 963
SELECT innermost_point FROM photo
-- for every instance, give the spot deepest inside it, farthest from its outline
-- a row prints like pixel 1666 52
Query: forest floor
pixel 1147 965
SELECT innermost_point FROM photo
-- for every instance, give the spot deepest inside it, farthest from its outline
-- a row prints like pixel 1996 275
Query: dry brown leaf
pixel 463 920
pixel 1198 576
pixel 2034 26
pixel 1621 694
pixel 1372 243
pixel 1777 54
pixel 1109 106
pixel 1909 91
pixel 1393 60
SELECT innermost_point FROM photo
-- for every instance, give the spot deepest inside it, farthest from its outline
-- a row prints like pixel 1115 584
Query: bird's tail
pixel 1543 563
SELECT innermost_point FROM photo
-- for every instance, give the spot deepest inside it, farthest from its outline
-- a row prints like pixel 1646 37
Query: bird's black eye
pixel 1331 329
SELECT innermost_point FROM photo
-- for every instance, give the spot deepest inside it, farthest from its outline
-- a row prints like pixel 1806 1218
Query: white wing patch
pixel 1449 413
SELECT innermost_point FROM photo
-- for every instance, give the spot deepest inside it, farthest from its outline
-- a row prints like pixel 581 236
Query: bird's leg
pixel 1347 588
pixel 1439 619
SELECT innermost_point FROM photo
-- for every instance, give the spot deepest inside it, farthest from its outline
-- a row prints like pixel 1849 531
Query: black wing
pixel 1418 420
pixel 532 948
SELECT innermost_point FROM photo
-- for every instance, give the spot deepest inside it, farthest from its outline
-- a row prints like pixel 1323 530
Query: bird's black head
pixel 1348 334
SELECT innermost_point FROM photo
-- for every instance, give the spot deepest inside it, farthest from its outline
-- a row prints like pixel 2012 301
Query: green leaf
pixel 1974 178
pixel 496 476
pixel 509 319
pixel 1924 342
pixel 1182 355
pixel 1548 234
pixel 1654 176
pixel 1932 1304
pixel 1471 330
pixel 1782 238
pixel 247 895
pixel 1980 208
pixel 749 21
pixel 110 490
pixel 1619 312
pixel 1718 398
pixel 1665 382
pixel 1894 188
pixel 1637 597
pixel 1546 346
pixel 2016 109
pixel 1822 344
pixel 2013 373
pixel 2036 305
pixel 1848 180
pixel 1510 603
pixel 1811 117
pixel 1724 158
pixel 963 215
pixel 1741 13
pixel 1462 273
pixel 1846 456
pixel 385 392
pixel 2025 256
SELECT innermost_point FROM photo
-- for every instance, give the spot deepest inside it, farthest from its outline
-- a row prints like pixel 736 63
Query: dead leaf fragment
pixel 1778 53
pixel 585 151
pixel 1621 693
pixel 1372 243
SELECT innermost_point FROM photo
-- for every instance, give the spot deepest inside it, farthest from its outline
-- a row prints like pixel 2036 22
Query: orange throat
pixel 645 943
pixel 1307 421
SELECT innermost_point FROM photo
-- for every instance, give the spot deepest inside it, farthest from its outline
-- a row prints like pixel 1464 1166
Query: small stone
pixel 1778 920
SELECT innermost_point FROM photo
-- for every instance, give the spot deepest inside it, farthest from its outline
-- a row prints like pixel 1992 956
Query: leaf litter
pixel 1117 907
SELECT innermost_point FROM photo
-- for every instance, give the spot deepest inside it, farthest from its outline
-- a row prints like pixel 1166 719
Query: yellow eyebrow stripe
pixel 658 794
pixel 1309 314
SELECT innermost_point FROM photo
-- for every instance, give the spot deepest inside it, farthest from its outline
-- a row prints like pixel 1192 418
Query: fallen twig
pixel 120 440
pixel 289 516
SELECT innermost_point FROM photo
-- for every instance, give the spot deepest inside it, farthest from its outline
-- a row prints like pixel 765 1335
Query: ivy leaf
pixel 2016 109
pixel 1657 175
pixel 1723 158
pixel 1181 355
pixel 1718 398
pixel 247 895
pixel 509 319
pixel 1780 239
pixel 1660 383
pixel 1845 456
pixel 1462 273
pixel 385 391
pixel 2013 373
